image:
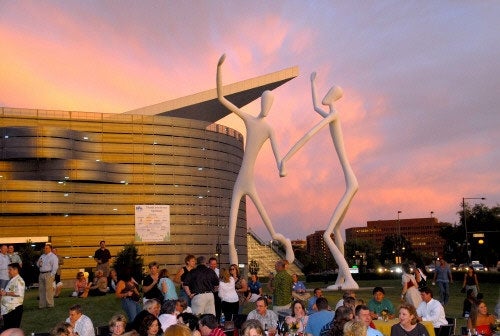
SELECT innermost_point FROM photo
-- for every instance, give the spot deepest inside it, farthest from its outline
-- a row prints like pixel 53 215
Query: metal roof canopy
pixel 205 105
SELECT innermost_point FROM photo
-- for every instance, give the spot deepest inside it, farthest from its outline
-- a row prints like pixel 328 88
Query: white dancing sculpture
pixel 258 131
pixel 331 118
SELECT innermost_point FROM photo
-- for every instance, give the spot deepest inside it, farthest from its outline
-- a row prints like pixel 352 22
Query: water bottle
pixel 222 319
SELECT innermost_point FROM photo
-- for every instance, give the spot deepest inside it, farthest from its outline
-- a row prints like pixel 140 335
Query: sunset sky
pixel 421 83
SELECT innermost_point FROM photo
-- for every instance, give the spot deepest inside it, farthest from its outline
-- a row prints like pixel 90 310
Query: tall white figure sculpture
pixel 331 118
pixel 258 131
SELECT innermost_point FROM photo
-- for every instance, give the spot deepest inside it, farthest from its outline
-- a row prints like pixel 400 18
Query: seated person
pixel 80 284
pixel 255 288
pixel 99 286
pixel 262 314
pixel 480 319
pixel 319 319
pixel 378 304
pixel 112 280
pixel 299 289
pixel 469 301
pixel 311 303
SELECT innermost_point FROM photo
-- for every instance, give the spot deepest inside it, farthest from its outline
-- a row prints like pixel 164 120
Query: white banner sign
pixel 152 223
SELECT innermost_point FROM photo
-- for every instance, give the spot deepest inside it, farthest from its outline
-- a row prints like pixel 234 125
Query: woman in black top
pixel 150 283
pixel 408 325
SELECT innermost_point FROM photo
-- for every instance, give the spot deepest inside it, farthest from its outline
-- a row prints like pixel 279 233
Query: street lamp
pixel 469 252
pixel 398 247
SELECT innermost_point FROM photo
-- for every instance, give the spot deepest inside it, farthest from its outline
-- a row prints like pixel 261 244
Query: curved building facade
pixel 76 177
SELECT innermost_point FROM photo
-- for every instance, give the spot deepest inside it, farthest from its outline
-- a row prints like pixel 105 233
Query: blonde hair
pixel 355 328
pixel 178 330
pixel 224 275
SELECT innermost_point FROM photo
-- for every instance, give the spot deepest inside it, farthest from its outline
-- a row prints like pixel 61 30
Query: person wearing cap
pixel 12 298
pixel 379 304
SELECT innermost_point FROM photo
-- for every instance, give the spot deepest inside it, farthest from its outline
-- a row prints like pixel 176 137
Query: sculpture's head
pixel 267 99
pixel 334 94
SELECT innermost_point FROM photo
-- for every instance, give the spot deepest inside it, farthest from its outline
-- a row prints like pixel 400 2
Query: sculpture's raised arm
pixel 220 95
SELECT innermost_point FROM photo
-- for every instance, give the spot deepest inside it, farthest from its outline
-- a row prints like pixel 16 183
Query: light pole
pixel 469 252
pixel 398 248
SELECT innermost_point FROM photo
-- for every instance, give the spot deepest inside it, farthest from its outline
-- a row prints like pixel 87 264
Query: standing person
pixel 4 266
pixel 102 256
pixel 190 261
pixel 283 282
pixel 82 324
pixel 420 275
pixel 408 324
pixel 431 309
pixel 57 278
pixel 470 281
pixel 241 286
pixel 442 276
pixel 258 132
pixel 14 257
pixel 228 296
pixel 410 291
pixel 199 285
pixel 319 319
pixel 126 290
pixel 469 302
pixel 48 265
pixel 363 315
pixel 212 263
pixel 167 286
pixel 268 318
pixel 12 298
pixel 150 283
pixel 480 320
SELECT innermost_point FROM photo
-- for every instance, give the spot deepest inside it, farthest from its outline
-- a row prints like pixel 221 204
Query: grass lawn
pixel 100 309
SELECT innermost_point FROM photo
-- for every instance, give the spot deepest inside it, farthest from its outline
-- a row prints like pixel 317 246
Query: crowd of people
pixel 201 299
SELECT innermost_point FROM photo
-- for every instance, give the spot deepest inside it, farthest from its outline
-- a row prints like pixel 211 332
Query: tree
pixel 394 246
pixel 362 253
pixel 483 227
pixel 128 261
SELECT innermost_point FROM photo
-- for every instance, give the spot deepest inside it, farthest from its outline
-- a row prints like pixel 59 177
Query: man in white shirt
pixel 431 309
pixel 168 315
pixel 82 324
pixel 4 262
pixel 12 298
pixel 48 265
pixel 265 316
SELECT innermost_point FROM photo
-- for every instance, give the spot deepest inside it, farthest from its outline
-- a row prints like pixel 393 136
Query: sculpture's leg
pixel 344 278
pixel 290 256
pixel 233 221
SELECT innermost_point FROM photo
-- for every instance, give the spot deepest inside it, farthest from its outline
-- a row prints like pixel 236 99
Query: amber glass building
pixel 74 178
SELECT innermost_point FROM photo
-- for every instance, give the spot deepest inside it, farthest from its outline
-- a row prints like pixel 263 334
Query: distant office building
pixel 299 244
pixel 160 176
pixel 318 249
pixel 423 233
